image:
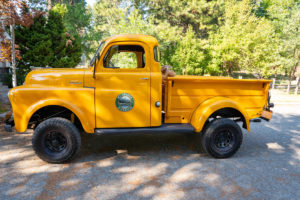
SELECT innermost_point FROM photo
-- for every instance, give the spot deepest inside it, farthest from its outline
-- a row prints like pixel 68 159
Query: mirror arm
pixel 96 58
pixel 94 72
pixel 94 64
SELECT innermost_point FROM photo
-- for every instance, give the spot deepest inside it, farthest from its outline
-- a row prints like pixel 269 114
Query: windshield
pixel 97 53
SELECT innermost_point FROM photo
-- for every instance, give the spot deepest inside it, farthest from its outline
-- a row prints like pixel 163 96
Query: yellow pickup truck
pixel 123 91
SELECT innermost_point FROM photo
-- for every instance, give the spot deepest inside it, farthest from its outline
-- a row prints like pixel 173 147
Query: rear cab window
pixel 156 52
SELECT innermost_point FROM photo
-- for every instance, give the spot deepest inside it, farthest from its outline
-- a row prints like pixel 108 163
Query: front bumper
pixel 9 122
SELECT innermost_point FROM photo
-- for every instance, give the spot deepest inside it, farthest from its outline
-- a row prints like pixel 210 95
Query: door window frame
pixel 101 68
pixel 156 53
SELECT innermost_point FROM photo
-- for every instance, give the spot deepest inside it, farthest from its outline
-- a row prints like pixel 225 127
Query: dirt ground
pixel 141 166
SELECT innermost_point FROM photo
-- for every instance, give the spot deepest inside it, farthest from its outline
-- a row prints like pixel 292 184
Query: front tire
pixel 222 138
pixel 56 140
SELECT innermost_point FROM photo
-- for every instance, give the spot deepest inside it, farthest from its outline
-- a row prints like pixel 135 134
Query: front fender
pixel 208 107
pixel 22 123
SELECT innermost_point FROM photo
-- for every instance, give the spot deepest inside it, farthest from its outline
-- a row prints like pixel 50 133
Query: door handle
pixel 145 78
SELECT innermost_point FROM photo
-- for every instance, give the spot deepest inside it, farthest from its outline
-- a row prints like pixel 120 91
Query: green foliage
pixel 244 42
pixel 201 37
pixel 66 48
pixel 261 8
pixel 175 45
pixel 203 16
pixel 191 56
pixel 285 17
pixel 8 78
pixel 35 46
pixel 45 43
pixel 196 37
pixel 76 18
pixel 124 60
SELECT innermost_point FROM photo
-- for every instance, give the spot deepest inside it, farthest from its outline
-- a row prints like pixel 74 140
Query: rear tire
pixel 222 138
pixel 56 140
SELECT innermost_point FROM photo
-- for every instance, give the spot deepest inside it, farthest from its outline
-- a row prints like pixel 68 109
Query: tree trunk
pixel 297 85
pixel 273 83
pixel 13 55
pixel 288 87
pixel 49 6
pixel 229 71
pixel 289 82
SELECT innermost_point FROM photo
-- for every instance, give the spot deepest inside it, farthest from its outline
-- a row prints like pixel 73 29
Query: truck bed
pixel 183 94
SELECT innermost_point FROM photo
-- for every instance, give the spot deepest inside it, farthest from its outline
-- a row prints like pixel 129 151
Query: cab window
pixel 125 57
pixel 156 54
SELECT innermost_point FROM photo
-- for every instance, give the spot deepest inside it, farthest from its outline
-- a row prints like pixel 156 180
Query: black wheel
pixel 56 140
pixel 222 138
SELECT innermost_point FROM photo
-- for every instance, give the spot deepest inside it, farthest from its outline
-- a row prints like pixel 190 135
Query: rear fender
pixel 208 107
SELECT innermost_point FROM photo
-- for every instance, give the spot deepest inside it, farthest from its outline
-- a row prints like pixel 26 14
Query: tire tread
pixel 208 132
pixel 57 121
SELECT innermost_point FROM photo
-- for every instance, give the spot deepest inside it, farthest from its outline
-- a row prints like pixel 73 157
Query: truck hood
pixel 56 77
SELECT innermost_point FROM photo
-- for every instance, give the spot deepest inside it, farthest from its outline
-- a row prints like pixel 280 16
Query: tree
pixel 35 46
pixel 285 16
pixel 191 56
pixel 196 37
pixel 203 16
pixel 10 16
pixel 45 43
pixel 297 74
pixel 75 17
pixel 66 48
pixel 127 19
pixel 244 42
pixel 77 20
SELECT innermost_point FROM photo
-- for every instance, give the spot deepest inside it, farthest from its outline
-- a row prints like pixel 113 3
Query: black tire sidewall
pixel 65 133
pixel 67 129
pixel 214 128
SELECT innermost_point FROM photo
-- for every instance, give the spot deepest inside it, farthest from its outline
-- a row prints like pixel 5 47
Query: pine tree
pixel 34 45
pixel 46 44
pixel 66 49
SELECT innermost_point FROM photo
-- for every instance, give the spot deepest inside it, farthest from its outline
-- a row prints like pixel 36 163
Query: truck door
pixel 122 92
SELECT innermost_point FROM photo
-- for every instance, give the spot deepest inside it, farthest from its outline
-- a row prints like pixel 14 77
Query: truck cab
pixel 123 91
pixel 127 79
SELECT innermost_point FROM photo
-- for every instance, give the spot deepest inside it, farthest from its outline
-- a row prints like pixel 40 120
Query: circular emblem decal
pixel 124 102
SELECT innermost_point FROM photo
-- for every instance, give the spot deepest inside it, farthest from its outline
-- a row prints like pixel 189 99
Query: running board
pixel 175 128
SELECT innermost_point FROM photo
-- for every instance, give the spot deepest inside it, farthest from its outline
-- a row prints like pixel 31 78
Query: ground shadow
pixel 159 167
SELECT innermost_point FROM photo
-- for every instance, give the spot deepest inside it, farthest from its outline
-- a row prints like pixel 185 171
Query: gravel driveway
pixel 267 166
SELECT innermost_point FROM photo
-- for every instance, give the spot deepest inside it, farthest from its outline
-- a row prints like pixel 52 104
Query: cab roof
pixel 133 37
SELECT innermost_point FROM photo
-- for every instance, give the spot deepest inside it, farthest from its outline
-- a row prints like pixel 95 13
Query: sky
pixel 90 2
